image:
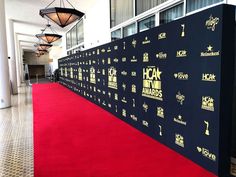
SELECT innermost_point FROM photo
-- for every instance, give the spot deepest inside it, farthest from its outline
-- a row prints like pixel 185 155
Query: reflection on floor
pixel 16 142
pixel 40 80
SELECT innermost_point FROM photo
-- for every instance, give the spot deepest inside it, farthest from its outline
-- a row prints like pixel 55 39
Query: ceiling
pixel 28 22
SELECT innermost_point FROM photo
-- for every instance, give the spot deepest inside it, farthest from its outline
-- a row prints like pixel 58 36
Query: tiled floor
pixel 16 136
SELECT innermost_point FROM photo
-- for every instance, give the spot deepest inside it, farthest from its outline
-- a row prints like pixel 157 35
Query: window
pixel 68 40
pixel 121 10
pixel 197 4
pixel 80 32
pixel 115 35
pixel 144 5
pixel 73 37
pixel 171 14
pixel 146 24
pixel 129 30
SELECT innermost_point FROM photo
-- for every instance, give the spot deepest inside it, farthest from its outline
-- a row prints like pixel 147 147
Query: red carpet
pixel 75 138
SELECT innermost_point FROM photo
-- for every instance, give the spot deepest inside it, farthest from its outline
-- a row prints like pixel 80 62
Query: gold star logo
pixel 159 73
pixel 209 48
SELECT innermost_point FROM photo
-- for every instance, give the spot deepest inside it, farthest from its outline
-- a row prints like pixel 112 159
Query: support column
pixel 18 68
pixel 5 95
pixel 12 55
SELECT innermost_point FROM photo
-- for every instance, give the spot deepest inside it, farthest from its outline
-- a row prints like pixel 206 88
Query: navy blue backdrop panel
pixel 173 82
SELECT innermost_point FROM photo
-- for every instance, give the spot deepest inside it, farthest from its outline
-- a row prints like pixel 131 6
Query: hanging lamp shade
pixel 41 52
pixel 61 15
pixel 48 37
pixel 43 46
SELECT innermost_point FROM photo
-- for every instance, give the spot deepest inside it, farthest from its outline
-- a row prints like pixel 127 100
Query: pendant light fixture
pixel 41 52
pixel 42 46
pixel 61 15
pixel 48 37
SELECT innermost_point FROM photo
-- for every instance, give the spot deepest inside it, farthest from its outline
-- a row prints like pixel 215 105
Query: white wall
pixel 55 54
pixel 96 24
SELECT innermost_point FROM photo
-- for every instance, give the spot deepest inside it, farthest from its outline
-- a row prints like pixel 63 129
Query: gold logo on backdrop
pixel 160 130
pixel 181 76
pixel 123 59
pixel 109 105
pixel 207 132
pixel 123 112
pixel 180 98
pixel 98 71
pixel 133 60
pixel 160 112
pixel 212 22
pixel 179 140
pixel 116 108
pixel 112 77
pixel 133 88
pixel 152 83
pixel 103 72
pixel 206 153
pixel 145 107
pixel 209 77
pixel 124 45
pixel 145 123
pixel 133 117
pixel 183 30
pixel 61 71
pixel 133 102
pixel 161 55
pixel 116 60
pixel 134 43
pixel 90 62
pixel 145 57
pixel 181 53
pixel 210 52
pixel 161 36
pixel 115 47
pixel 103 61
pixel 116 96
pixel 124 100
pixel 104 103
pixel 146 41
pixel 103 50
pixel 109 61
pixel 124 73
pixel 65 72
pixel 179 119
pixel 108 50
pixel 133 73
pixel 71 73
pixel 92 75
pixel 109 94
pixel 208 103
pixel 124 86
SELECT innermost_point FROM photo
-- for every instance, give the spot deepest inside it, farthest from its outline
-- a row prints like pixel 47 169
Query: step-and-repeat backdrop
pixel 172 82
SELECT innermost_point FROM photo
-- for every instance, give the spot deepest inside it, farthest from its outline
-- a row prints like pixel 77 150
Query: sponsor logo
pixel 145 57
pixel 181 53
pixel 212 22
pixel 161 36
pixel 180 98
pixel 152 83
pixel 146 41
pixel 210 52
pixel 209 77
pixel 160 112
pixel 181 76
pixel 92 75
pixel 206 153
pixel 208 103
pixel 179 140
pixel 179 119
pixel 161 55
pixel 145 123
pixel 112 77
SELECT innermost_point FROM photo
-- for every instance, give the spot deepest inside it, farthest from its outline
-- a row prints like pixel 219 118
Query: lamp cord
pixel 50 4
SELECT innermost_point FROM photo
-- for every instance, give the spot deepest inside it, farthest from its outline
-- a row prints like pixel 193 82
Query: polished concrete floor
pixel 16 136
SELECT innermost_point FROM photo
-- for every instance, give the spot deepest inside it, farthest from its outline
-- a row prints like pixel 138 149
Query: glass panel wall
pixel 115 35
pixel 197 4
pixel 144 5
pixel 146 24
pixel 171 14
pixel 68 40
pixel 80 32
pixel 73 36
pixel 121 10
pixel 129 30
